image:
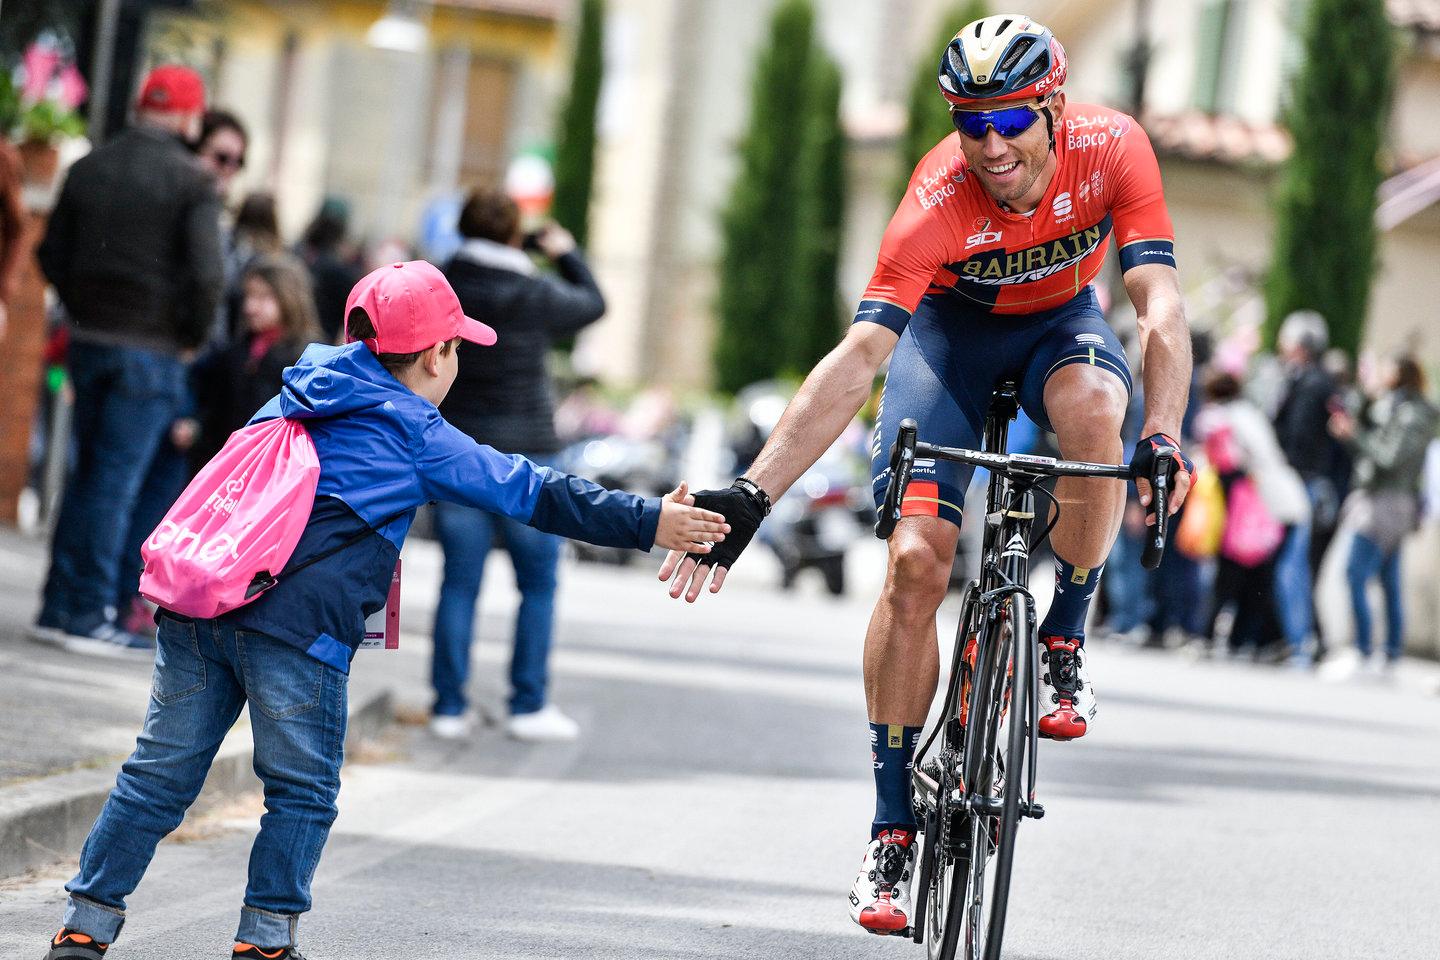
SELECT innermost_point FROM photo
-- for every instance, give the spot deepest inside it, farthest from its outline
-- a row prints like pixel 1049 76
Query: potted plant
pixel 38 106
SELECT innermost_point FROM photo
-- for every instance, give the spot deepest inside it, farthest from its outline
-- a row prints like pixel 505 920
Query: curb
pixel 45 820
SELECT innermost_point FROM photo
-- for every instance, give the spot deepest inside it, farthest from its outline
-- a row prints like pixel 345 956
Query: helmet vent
pixel 1036 70
pixel 1004 25
pixel 957 61
pixel 1013 56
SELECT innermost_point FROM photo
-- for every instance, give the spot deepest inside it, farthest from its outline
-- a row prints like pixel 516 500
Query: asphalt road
pixel 718 803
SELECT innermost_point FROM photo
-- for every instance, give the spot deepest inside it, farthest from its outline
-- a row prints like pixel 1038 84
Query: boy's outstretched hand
pixel 685 527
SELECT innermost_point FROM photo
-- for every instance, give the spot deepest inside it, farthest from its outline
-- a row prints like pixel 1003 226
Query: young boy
pixel 384 449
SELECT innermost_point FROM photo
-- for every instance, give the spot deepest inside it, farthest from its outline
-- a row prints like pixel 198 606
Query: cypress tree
pixel 760 223
pixel 815 286
pixel 1324 255
pixel 575 146
pixel 927 120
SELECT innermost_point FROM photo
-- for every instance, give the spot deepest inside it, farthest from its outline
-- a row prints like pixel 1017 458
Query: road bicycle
pixel 972 790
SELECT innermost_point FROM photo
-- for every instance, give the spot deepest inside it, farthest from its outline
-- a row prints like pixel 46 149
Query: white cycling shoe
pixel 880 899
pixel 1067 705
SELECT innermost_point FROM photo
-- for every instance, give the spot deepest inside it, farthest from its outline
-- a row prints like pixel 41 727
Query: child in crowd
pixel 371 409
pixel 231 382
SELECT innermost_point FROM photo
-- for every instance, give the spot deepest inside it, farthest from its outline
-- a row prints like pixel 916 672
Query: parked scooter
pixel 644 466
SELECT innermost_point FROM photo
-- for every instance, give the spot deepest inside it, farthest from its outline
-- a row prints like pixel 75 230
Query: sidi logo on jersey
pixel 991 267
pixel 982 235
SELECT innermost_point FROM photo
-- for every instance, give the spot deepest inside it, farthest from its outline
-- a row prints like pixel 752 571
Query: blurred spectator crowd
pixel 1312 480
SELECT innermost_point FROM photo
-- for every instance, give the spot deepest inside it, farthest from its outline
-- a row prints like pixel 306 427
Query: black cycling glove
pixel 1142 461
pixel 743 505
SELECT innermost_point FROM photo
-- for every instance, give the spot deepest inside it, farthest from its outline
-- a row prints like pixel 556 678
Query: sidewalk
pixel 66 722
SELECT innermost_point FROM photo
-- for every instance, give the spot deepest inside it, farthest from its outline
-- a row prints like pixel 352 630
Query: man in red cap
pixel 133 251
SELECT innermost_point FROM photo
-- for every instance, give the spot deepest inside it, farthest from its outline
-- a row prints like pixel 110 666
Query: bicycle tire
pixel 1022 643
pixel 992 838
pixel 938 894
pixel 943 946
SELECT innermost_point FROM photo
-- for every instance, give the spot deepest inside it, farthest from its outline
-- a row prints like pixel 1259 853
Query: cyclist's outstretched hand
pixel 1142 462
pixel 743 510
pixel 687 527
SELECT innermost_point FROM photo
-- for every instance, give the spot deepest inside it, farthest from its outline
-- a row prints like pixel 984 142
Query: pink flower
pixel 73 90
pixel 40 63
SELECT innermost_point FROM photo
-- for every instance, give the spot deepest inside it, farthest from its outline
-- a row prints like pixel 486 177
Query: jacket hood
pixel 332 381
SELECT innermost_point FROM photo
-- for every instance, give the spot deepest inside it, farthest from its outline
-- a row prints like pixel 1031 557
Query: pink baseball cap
pixel 412 308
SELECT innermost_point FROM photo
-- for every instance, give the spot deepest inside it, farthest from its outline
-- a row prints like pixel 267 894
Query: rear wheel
pixel 943 883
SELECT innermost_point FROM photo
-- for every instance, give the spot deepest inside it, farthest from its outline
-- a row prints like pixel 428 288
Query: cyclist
pixel 985 274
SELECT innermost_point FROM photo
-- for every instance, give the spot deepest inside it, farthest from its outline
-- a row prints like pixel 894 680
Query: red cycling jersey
pixel 949 234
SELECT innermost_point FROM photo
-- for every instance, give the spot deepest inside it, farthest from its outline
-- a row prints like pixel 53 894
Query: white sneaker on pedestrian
pixel 108 640
pixel 453 726
pixel 546 725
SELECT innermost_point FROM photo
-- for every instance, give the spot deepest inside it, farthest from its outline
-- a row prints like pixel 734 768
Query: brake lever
pixel 902 461
pixel 1154 550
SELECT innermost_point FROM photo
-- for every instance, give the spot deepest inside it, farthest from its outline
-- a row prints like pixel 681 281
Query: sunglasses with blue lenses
pixel 1008 121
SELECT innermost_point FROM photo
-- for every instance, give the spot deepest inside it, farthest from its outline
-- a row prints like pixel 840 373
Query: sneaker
pixel 452 726
pixel 880 899
pixel 248 951
pixel 1067 693
pixel 546 725
pixel 74 945
pixel 108 640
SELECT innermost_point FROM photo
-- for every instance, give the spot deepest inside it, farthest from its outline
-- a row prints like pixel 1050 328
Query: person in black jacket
pixel 334 269
pixel 505 399
pixel 1300 428
pixel 133 251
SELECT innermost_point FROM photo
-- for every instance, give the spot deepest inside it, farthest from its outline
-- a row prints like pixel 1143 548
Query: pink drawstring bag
pixel 232 531
pixel 1251 534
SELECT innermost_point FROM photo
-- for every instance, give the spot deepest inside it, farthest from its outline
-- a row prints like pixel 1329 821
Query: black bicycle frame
pixel 1004 570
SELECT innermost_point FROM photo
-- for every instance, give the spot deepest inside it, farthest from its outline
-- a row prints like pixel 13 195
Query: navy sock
pixel 1074 586
pixel 892 748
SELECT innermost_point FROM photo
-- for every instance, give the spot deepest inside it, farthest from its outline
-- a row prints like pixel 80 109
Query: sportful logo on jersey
pixel 1062 207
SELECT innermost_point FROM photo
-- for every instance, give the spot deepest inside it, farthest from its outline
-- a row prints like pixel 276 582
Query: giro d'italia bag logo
pixel 232 531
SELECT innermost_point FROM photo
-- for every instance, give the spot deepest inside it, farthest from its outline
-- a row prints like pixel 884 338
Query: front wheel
pixel 996 780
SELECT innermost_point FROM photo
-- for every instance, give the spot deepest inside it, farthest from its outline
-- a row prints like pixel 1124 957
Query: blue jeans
pixel 1127 585
pixel 1366 560
pixel 466 535
pixel 1293 603
pixel 125 400
pixel 205 672
pixel 163 483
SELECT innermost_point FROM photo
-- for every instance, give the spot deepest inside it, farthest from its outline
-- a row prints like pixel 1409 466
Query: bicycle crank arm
pixel 993 806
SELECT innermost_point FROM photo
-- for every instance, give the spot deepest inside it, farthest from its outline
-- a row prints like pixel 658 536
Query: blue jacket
pixel 383 451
